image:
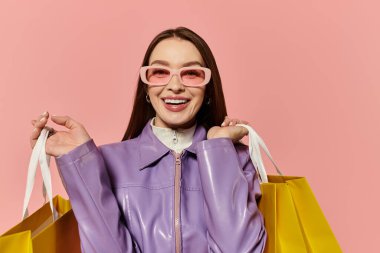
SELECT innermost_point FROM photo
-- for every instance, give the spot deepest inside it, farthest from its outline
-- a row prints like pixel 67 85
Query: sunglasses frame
pixel 175 72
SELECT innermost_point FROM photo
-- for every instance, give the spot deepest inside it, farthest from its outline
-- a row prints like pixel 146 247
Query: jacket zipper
pixel 177 202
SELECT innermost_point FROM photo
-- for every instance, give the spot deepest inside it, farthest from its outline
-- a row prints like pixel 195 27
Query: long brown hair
pixel 209 115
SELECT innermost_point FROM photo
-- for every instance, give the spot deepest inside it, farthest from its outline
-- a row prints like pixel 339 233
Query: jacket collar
pixel 151 148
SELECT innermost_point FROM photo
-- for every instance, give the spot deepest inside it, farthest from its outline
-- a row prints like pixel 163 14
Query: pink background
pixel 305 74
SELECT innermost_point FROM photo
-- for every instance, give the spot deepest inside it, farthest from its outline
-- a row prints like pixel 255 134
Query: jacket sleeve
pixel 85 178
pixel 231 191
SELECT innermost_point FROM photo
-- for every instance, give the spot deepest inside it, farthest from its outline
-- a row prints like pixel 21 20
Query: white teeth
pixel 175 101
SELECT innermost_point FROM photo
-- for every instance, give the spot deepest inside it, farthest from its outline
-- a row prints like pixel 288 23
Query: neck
pixel 175 139
pixel 159 124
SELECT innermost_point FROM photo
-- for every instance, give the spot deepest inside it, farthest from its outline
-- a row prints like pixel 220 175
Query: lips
pixel 175 104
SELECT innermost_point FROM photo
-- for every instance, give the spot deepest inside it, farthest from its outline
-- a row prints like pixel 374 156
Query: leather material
pixel 122 195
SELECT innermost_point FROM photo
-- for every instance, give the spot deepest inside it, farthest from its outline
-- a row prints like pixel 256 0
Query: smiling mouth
pixel 175 101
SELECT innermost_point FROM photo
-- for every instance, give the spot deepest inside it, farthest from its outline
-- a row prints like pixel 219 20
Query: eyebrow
pixel 190 63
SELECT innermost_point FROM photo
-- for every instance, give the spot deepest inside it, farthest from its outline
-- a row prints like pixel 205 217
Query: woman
pixel 180 180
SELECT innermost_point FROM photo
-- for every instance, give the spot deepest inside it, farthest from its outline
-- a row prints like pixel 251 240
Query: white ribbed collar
pixel 174 139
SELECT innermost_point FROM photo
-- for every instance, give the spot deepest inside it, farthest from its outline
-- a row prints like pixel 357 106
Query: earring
pixel 147 98
pixel 208 101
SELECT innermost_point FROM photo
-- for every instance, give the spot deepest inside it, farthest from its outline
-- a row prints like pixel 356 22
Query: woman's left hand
pixel 229 130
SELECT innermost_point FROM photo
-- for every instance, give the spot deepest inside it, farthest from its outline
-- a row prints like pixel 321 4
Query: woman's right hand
pixel 60 142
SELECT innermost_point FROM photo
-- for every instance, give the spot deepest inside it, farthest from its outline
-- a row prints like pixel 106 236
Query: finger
pixel 42 115
pixel 38 124
pixel 41 122
pixel 65 121
pixel 233 122
pixel 226 121
pixel 238 121
pixel 36 133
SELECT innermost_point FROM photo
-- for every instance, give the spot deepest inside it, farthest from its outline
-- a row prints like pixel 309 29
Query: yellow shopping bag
pixel 53 227
pixel 40 232
pixel 18 242
pixel 293 218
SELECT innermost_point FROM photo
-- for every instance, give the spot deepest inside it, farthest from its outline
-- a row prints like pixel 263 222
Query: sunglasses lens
pixel 157 75
pixel 193 77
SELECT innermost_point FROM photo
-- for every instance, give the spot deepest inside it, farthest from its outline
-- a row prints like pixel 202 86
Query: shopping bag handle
pixel 39 154
pixel 255 142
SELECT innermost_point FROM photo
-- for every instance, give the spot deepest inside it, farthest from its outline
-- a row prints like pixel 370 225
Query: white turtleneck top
pixel 176 140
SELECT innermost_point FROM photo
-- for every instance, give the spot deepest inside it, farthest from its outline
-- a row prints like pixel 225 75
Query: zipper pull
pixel 177 157
pixel 175 139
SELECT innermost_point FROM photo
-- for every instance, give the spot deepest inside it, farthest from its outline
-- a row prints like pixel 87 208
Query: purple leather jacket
pixel 139 196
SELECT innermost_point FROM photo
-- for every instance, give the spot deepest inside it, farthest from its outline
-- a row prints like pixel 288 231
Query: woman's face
pixel 175 53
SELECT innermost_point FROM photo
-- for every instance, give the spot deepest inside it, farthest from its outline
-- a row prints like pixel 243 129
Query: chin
pixel 178 123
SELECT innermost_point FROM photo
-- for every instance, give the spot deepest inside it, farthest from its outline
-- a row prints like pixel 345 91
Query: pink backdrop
pixel 304 73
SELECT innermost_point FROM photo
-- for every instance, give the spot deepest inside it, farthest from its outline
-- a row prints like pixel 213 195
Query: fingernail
pixel 42 119
pixel 54 115
pixel 44 113
pixel 35 129
pixel 230 123
pixel 224 123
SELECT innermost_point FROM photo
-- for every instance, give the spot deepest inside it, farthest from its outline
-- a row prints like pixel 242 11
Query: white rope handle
pixel 39 154
pixel 255 142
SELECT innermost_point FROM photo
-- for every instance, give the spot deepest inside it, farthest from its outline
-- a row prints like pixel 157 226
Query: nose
pixel 175 84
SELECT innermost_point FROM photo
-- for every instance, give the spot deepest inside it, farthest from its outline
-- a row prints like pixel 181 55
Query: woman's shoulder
pixel 240 148
pixel 121 160
pixel 120 146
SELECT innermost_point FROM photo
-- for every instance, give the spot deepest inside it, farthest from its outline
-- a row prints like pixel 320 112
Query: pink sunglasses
pixel 161 75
